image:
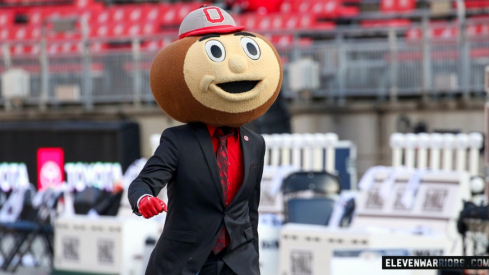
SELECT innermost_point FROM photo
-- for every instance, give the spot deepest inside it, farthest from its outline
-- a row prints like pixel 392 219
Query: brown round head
pixel 218 79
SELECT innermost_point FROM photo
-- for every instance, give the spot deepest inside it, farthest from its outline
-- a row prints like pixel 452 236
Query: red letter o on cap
pixel 213 15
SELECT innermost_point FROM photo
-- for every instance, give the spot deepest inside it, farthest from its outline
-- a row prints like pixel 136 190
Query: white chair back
pixel 309 152
pixel 437 151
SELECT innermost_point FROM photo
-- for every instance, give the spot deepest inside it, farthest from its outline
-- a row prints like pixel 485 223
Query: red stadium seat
pixel 22 49
pixel 150 12
pixel 168 16
pixel 6 18
pixel 280 21
pixel 300 22
pixel 123 29
pixel 321 8
pixel 348 11
pixel 5 34
pixel 99 31
pixel 100 17
pixel 260 6
pixel 64 47
pixel 98 47
pixel 37 15
pixel 88 4
pixel 447 32
pixel 18 49
pixel 18 33
pixel 90 15
pixel 478 26
pixel 476 4
pixel 437 31
pixel 129 13
pixel 397 5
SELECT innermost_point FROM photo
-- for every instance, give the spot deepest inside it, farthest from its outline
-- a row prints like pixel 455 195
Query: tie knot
pixel 222 133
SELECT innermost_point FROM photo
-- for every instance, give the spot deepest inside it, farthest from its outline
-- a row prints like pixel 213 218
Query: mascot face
pixel 221 79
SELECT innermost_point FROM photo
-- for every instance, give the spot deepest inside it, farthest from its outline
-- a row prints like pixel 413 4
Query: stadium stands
pixel 23 20
pixel 123 38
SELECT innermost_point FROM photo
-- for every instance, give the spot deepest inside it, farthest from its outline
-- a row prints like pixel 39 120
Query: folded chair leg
pixel 22 246
pixel 18 239
pixel 48 248
pixel 2 252
pixel 25 248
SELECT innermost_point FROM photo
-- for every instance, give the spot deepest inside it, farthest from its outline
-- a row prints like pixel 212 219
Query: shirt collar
pixel 212 129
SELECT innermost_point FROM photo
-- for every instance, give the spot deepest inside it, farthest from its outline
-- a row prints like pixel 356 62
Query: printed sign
pixel 398 205
pixel 301 262
pixel 71 248
pixel 50 162
pixel 435 199
pixel 374 200
pixel 105 251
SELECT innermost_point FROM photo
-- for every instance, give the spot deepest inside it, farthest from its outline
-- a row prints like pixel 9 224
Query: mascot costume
pixel 215 78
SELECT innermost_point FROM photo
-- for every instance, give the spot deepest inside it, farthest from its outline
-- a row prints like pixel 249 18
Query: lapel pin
pixel 246 138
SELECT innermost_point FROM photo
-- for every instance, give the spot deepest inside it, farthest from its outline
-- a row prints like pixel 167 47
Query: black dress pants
pixel 215 265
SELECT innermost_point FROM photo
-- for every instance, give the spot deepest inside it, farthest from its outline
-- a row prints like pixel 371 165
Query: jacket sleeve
pixel 157 172
pixel 255 201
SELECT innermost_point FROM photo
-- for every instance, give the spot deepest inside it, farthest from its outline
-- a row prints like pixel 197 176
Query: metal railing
pixel 387 67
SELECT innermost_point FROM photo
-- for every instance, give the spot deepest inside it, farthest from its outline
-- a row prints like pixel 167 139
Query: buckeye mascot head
pixel 216 72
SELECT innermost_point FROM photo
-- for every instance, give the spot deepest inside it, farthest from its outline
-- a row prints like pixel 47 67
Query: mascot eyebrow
pixel 244 34
pixel 217 35
pixel 209 36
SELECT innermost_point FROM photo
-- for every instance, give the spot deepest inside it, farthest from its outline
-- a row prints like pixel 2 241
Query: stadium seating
pixel 22 21
pixel 476 4
pixel 397 6
pixel 391 7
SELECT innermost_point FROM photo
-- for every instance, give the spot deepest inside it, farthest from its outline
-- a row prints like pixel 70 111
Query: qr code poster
pixel 271 201
pixel 71 248
pixel 105 251
pixel 301 262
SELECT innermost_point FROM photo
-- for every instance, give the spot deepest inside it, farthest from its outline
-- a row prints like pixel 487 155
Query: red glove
pixel 151 206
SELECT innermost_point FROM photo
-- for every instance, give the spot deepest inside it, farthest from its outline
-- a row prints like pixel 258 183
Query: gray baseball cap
pixel 207 20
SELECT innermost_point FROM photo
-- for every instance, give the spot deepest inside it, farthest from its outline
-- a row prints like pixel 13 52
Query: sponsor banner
pixel 99 175
pixel 50 162
pixel 13 176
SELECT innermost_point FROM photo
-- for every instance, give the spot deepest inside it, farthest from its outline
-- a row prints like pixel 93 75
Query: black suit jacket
pixel 185 161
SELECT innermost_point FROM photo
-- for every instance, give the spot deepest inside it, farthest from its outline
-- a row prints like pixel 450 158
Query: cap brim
pixel 212 29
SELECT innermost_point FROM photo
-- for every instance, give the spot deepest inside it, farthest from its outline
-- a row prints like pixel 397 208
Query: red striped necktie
pixel 223 163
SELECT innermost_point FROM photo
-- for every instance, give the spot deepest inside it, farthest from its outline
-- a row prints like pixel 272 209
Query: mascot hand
pixel 151 206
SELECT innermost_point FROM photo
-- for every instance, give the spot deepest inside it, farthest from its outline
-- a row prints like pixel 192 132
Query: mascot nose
pixel 237 64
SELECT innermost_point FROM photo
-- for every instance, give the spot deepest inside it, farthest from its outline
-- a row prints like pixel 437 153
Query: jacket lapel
pixel 205 142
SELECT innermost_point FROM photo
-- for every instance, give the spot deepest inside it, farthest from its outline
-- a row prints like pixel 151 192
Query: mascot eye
pixel 250 47
pixel 215 50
